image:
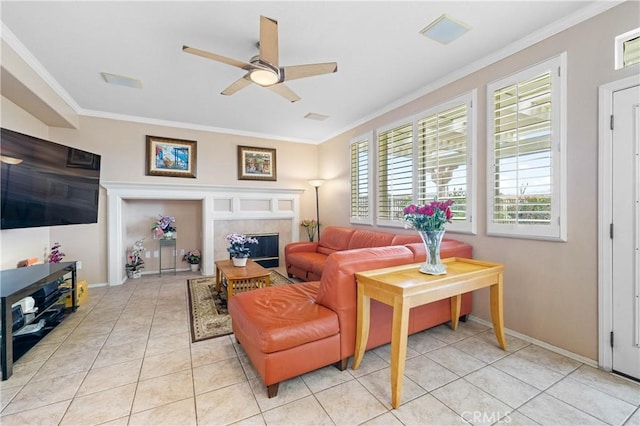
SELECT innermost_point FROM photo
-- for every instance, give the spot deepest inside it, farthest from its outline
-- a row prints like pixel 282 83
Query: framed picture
pixel 171 157
pixel 256 163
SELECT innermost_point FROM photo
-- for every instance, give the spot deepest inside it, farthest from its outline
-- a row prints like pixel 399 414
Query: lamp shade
pixel 316 182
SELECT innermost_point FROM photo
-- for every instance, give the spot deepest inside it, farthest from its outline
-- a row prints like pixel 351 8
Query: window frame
pixel 469 98
pixel 379 131
pixel 619 48
pixel 557 229
pixel 368 220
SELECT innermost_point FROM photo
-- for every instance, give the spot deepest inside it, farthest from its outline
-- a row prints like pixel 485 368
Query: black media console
pixel 16 284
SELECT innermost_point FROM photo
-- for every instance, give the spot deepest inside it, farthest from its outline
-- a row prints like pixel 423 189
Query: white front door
pixel 625 211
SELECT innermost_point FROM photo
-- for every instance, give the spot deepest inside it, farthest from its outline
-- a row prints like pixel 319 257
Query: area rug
pixel 208 308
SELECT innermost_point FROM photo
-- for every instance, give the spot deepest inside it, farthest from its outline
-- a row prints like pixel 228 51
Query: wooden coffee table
pixel 241 279
pixel 404 287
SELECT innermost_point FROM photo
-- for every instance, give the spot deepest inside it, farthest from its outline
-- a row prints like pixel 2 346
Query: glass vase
pixel 432 241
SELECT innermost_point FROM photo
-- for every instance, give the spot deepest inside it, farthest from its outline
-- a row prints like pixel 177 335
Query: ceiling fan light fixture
pixel 264 77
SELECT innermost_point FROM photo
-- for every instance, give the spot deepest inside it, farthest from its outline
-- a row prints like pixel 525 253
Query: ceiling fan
pixel 263 69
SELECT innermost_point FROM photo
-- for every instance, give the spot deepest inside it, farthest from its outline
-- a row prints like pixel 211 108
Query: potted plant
pixel 164 228
pixel 237 249
pixel 311 225
pixel 193 259
pixel 135 262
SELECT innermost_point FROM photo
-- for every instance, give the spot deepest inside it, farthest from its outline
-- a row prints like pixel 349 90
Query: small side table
pixel 171 244
pixel 241 279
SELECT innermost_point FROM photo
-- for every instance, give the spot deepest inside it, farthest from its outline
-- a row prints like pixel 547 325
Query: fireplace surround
pixel 269 209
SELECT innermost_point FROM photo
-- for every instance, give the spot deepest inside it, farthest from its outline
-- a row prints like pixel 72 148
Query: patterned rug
pixel 208 308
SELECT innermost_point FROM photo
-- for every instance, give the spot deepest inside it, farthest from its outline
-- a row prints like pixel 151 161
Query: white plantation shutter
pixel 395 172
pixel 444 168
pixel 631 51
pixel 361 197
pixel 525 171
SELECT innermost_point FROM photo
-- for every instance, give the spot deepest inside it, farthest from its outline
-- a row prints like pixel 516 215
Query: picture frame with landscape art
pixel 170 157
pixel 256 163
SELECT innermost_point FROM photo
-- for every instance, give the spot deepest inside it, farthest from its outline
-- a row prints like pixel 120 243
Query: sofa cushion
pixel 338 284
pixel 364 239
pixel 402 239
pixel 334 238
pixel 306 259
pixel 448 248
pixel 282 317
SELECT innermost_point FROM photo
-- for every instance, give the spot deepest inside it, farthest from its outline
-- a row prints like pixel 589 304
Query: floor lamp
pixel 316 183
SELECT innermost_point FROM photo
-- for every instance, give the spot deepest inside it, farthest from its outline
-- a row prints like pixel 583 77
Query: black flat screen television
pixel 46 184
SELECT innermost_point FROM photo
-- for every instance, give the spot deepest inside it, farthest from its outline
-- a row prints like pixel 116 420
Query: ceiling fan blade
pixel 230 61
pixel 310 70
pixel 237 85
pixel 269 40
pixel 285 92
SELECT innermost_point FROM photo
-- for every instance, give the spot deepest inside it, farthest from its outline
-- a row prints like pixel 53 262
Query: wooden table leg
pixel 218 279
pixel 363 315
pixel 496 312
pixel 456 302
pixel 230 283
pixel 399 336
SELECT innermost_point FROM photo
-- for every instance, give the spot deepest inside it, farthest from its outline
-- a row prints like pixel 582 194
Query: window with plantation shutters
pixel 395 172
pixel 444 166
pixel 526 169
pixel 627 49
pixel 361 197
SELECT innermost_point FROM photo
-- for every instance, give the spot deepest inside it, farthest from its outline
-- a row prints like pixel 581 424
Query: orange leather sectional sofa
pixel 306 260
pixel 292 329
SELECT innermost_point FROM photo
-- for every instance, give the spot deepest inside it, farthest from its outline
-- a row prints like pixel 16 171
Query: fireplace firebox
pixel 266 252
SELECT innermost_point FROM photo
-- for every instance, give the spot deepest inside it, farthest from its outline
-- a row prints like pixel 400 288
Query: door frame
pixel 605 198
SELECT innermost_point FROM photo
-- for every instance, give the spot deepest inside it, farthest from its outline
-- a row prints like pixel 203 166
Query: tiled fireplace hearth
pixel 224 210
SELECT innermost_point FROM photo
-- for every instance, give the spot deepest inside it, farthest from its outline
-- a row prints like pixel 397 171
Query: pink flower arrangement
pixel 163 224
pixel 56 255
pixel 429 217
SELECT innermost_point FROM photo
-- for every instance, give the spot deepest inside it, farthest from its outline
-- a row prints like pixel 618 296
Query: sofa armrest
pixel 302 246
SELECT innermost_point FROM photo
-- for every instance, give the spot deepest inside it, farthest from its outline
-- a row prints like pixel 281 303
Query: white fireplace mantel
pixel 218 203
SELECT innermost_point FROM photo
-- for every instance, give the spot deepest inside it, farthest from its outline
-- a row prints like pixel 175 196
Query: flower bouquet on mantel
pixel 429 220
pixel 164 228
pixel 237 249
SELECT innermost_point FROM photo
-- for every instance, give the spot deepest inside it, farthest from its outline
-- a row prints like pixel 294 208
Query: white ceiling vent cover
pixel 120 80
pixel 316 116
pixel 445 29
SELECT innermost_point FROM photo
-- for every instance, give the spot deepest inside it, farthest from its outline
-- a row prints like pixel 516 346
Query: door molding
pixel 605 198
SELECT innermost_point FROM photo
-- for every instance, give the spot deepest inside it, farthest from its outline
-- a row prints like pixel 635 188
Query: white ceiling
pixel 383 61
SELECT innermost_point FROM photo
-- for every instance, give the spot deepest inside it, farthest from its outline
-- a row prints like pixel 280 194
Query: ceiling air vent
pixel 445 29
pixel 120 80
pixel 316 116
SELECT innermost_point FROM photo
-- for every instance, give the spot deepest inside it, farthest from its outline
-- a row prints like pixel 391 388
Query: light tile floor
pixel 126 358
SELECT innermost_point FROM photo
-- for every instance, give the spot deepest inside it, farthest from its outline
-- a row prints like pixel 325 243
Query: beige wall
pixel 550 287
pixel 122 146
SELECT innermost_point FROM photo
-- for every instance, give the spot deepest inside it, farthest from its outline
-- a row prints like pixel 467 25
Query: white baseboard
pixel 564 352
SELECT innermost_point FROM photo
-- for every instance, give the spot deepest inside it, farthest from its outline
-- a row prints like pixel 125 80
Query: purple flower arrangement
pixel 237 243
